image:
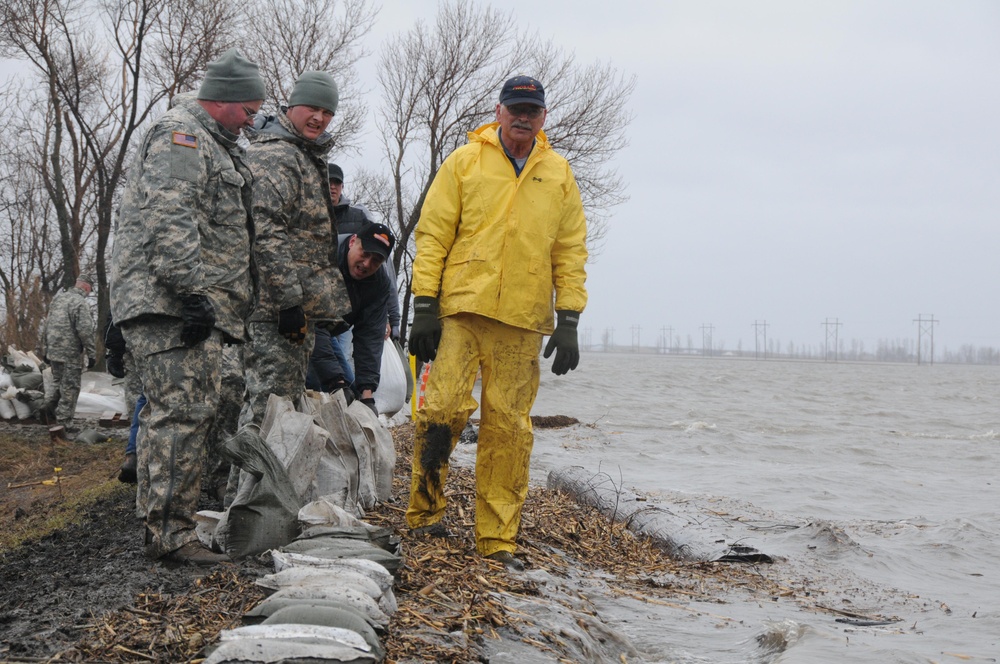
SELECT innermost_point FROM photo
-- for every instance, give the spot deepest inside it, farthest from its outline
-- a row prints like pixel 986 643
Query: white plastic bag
pixel 391 393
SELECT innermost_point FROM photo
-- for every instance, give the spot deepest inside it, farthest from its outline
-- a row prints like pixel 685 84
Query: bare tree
pixel 305 35
pixel 440 82
pixel 104 68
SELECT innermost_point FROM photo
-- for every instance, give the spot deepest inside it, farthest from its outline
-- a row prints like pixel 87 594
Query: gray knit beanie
pixel 315 88
pixel 232 78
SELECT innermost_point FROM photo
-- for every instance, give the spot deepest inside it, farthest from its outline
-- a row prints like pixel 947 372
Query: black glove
pixel 370 402
pixel 334 327
pixel 564 342
pixel 91 361
pixel 425 331
pixel 349 395
pixel 115 364
pixel 292 324
pixel 198 315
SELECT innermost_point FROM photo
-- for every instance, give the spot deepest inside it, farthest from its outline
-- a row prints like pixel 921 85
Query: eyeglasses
pixel 529 111
pixel 250 112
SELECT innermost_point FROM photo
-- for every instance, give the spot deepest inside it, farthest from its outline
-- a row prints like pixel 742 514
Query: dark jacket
pixel 369 312
pixel 350 219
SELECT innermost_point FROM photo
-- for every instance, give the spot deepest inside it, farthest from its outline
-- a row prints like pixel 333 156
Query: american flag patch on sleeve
pixel 186 140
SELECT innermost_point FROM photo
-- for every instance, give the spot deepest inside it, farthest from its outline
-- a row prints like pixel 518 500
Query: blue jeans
pixel 328 364
pixel 134 431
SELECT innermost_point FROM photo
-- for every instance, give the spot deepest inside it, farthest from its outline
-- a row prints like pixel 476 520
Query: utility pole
pixel 666 333
pixel 835 333
pixel 706 339
pixel 636 342
pixel 759 331
pixel 925 326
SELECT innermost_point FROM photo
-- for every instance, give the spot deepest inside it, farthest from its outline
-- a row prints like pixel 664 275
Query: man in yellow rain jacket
pixel 502 229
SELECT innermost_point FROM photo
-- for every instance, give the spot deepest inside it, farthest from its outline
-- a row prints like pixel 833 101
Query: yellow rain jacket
pixel 498 245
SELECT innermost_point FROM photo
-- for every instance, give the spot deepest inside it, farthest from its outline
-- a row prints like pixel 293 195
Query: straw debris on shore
pixel 451 601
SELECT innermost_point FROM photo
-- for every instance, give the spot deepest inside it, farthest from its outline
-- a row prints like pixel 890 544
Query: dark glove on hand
pixel 370 402
pixel 292 324
pixel 564 342
pixel 425 331
pixel 91 361
pixel 349 396
pixel 198 315
pixel 116 367
pixel 334 327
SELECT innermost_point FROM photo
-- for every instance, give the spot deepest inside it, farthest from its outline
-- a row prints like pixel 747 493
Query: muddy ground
pixel 75 585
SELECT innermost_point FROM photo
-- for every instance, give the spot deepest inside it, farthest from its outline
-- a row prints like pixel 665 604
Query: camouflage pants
pixel 182 387
pixel 226 418
pixel 66 377
pixel 273 365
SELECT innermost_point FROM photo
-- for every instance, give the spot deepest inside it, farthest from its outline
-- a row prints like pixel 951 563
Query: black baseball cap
pixel 335 173
pixel 376 239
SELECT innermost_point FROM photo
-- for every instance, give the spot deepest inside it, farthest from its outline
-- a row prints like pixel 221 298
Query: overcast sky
pixel 793 162
pixel 790 162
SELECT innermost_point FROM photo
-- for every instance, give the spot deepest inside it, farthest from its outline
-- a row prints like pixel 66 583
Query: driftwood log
pixel 678 535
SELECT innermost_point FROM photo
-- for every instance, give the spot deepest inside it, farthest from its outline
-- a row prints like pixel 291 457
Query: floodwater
pixel 880 480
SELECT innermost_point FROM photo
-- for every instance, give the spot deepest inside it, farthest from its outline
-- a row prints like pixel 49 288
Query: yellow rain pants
pixel 508 358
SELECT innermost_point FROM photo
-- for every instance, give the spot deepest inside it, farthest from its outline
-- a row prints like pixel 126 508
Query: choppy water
pixel 881 476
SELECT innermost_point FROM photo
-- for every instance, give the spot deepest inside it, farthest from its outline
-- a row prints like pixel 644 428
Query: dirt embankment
pixel 74 583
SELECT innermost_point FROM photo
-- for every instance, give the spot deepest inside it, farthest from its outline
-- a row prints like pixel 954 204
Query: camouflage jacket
pixel 68 331
pixel 184 226
pixel 296 234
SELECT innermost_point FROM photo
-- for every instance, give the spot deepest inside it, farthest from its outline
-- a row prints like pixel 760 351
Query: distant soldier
pixel 67 337
pixel 183 284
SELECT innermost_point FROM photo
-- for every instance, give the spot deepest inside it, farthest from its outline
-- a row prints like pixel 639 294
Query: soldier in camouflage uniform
pixel 296 243
pixel 183 284
pixel 67 336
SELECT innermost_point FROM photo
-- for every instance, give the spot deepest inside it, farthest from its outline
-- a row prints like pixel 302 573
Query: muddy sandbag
pixel 316 576
pixel 26 378
pixel 376 454
pixel 264 513
pixel 384 538
pixel 304 614
pixel 354 598
pixel 270 605
pixel 91 436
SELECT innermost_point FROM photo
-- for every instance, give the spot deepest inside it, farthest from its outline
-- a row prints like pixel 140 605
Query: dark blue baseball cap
pixel 522 90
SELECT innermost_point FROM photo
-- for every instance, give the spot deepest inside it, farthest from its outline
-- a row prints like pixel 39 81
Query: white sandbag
pixel 91 405
pixel 288 559
pixel 340 635
pixel 296 442
pixel 381 453
pixel 391 393
pixel 273 651
pixel 21 409
pixel 205 523
pixel 338 472
pixel 5 381
pixel 7 411
pixel 18 358
pixel 326 511
pixel 304 577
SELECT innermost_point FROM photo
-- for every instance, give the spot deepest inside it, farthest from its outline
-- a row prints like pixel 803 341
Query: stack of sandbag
pixel 321 448
pixel 23 386
pixel 332 595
